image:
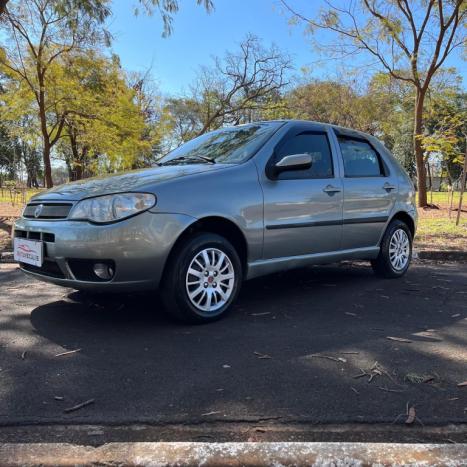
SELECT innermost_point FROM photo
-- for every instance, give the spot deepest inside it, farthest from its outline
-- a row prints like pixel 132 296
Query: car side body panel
pixel 239 199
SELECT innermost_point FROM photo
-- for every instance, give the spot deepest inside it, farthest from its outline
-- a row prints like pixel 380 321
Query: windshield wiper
pixel 185 158
pixel 205 158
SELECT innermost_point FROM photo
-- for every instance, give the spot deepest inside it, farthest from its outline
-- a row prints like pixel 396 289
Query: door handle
pixel 331 189
pixel 388 187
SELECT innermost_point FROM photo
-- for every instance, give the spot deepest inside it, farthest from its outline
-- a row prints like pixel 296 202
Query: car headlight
pixel 110 208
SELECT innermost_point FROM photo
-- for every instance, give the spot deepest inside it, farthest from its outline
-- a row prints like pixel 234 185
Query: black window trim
pixel 382 165
pixel 292 134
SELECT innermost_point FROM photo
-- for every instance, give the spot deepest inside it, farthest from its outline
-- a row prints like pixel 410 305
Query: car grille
pixel 44 236
pixel 38 210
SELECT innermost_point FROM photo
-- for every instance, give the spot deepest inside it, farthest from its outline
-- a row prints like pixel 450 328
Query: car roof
pixel 340 130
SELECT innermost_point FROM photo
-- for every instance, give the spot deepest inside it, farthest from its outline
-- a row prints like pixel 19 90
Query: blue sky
pixel 198 36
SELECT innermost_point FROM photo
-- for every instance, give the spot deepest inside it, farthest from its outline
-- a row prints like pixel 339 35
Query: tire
pixel 397 238
pixel 213 282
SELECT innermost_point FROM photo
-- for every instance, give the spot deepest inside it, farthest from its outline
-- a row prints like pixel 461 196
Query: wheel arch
pixel 218 225
pixel 406 219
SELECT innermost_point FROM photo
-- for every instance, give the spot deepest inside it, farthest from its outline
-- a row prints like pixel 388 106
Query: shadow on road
pixel 291 349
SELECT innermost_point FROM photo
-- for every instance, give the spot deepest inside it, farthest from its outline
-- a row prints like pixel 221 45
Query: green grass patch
pixel 444 198
pixel 441 233
pixel 17 197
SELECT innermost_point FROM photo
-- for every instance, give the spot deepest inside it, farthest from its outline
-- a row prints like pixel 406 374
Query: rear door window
pixel 360 159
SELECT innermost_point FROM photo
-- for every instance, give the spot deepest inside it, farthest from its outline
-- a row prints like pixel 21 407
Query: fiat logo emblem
pixel 38 210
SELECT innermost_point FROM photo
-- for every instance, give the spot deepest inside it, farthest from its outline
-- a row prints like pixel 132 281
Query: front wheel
pixel 202 280
pixel 396 251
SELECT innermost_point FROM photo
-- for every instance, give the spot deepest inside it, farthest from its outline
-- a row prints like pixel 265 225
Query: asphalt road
pixel 290 352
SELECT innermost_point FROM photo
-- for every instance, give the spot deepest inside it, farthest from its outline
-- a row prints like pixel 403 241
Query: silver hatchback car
pixel 233 204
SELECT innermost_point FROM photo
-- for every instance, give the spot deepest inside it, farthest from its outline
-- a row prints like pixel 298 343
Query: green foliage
pixel 103 123
pixel 446 127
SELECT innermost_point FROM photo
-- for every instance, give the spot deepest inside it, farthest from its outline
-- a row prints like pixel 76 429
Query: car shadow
pixel 259 362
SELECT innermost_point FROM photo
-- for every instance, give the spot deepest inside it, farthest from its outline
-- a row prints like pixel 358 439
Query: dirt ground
pixel 8 214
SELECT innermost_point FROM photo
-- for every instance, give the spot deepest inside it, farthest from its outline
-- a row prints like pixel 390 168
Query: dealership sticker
pixel 28 251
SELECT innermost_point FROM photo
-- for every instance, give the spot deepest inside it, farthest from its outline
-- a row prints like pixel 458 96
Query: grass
pixel 17 198
pixel 443 197
pixel 441 233
pixel 436 230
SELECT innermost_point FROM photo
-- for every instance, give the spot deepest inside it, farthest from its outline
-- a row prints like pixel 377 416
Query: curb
pixel 440 255
pixel 233 454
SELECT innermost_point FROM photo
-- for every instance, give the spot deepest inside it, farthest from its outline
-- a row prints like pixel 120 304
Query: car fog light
pixel 103 271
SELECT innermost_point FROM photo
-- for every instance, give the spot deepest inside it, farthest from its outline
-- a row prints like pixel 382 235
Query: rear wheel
pixel 202 280
pixel 396 251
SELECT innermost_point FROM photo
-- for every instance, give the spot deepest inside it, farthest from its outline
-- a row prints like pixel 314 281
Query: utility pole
pixel 464 176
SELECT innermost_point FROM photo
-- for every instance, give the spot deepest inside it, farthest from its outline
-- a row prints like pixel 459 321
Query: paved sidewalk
pixel 233 454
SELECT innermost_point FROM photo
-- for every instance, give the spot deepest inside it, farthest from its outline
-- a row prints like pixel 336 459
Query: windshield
pixel 232 145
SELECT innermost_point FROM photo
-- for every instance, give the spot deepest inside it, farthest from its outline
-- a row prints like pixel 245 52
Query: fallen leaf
pixel 328 357
pixel 262 355
pixel 79 406
pixel 411 416
pixel 399 339
pixel 68 352
pixel 382 388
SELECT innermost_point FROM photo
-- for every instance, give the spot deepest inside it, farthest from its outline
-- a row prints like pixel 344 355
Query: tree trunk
pixel 75 162
pixel 3 6
pixel 418 129
pixel 47 168
pixel 45 137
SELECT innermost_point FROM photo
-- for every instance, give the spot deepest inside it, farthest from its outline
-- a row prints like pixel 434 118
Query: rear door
pixel 303 208
pixel 369 191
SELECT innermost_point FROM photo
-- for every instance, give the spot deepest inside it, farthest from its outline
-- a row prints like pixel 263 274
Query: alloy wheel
pixel 210 280
pixel 399 249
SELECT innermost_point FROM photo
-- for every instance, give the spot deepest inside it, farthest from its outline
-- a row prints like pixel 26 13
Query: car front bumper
pixel 138 247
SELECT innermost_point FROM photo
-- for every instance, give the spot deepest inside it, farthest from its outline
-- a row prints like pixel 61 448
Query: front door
pixel 303 208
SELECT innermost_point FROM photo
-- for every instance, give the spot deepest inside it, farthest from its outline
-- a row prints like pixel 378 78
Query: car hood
pixel 136 180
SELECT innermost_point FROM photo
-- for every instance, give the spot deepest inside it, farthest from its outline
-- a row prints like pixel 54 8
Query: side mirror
pixel 293 162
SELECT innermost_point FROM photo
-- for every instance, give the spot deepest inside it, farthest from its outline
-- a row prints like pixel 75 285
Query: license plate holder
pixel 28 251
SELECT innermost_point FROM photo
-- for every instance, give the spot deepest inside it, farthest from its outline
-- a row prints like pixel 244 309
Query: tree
pixel 9 155
pixel 446 130
pixel 234 90
pixel 93 137
pixel 409 39
pixel 336 102
pixel 40 32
